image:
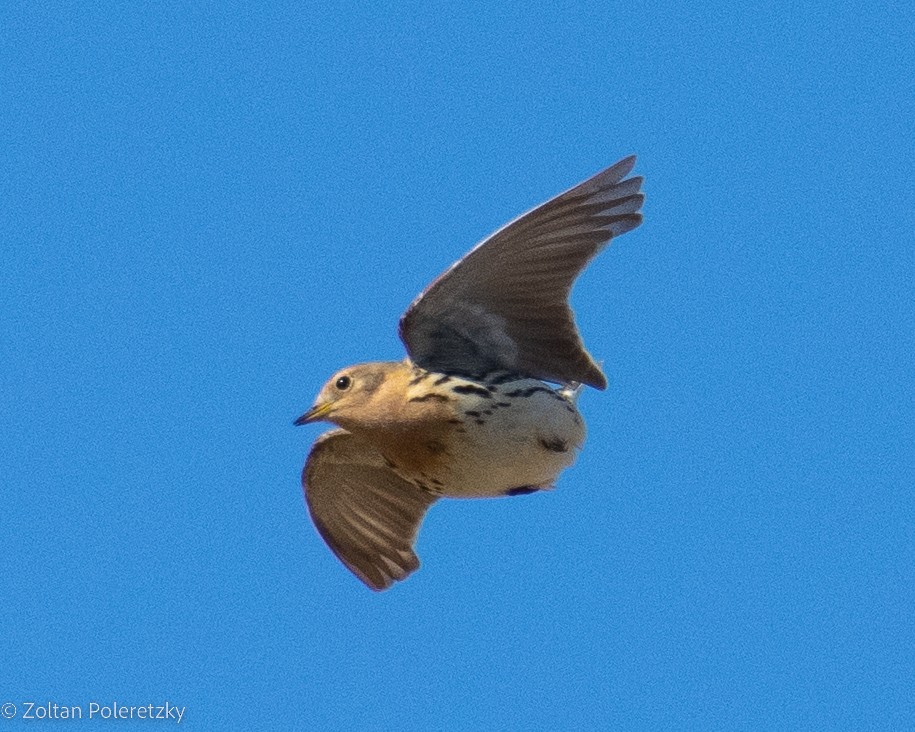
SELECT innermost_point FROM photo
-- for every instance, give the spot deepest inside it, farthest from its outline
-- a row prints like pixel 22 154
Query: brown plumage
pixel 467 414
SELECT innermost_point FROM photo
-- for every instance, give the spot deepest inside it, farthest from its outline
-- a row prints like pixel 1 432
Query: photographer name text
pixel 93 710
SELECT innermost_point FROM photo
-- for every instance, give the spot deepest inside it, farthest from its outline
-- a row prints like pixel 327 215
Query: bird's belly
pixel 506 450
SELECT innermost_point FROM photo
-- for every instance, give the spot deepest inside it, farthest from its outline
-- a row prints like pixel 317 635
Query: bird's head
pixel 348 397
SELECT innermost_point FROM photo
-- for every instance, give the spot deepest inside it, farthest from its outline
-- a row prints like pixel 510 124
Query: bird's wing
pixel 504 306
pixel 367 514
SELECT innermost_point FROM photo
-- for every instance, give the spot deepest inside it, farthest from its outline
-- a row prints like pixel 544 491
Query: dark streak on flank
pixel 530 390
pixel 441 380
pixel 472 413
pixel 554 444
pixel 428 397
pixel 471 389
pixel 521 491
pixel 419 377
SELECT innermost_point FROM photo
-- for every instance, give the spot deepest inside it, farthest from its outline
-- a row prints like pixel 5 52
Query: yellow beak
pixel 317 412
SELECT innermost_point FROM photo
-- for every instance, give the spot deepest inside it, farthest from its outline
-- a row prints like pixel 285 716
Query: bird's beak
pixel 317 412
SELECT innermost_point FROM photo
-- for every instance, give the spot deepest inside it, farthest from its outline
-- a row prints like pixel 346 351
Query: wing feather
pixel 504 306
pixel 368 515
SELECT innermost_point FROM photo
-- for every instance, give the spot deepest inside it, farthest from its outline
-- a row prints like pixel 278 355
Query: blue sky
pixel 209 208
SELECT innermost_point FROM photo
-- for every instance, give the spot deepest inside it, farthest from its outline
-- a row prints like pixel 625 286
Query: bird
pixel 484 405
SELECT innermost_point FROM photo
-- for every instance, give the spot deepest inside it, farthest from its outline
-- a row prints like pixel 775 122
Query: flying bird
pixel 485 403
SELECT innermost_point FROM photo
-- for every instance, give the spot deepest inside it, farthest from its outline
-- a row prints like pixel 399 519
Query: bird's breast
pixel 463 438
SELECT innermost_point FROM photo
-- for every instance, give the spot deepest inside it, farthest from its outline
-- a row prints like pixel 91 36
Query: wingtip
pixel 624 223
pixel 621 169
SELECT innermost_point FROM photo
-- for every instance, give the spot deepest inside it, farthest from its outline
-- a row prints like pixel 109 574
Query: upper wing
pixel 504 306
pixel 367 514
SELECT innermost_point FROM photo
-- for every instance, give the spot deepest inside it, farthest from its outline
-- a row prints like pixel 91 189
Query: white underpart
pixel 507 450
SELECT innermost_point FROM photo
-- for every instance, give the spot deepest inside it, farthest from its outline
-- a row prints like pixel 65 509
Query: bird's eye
pixel 343 383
